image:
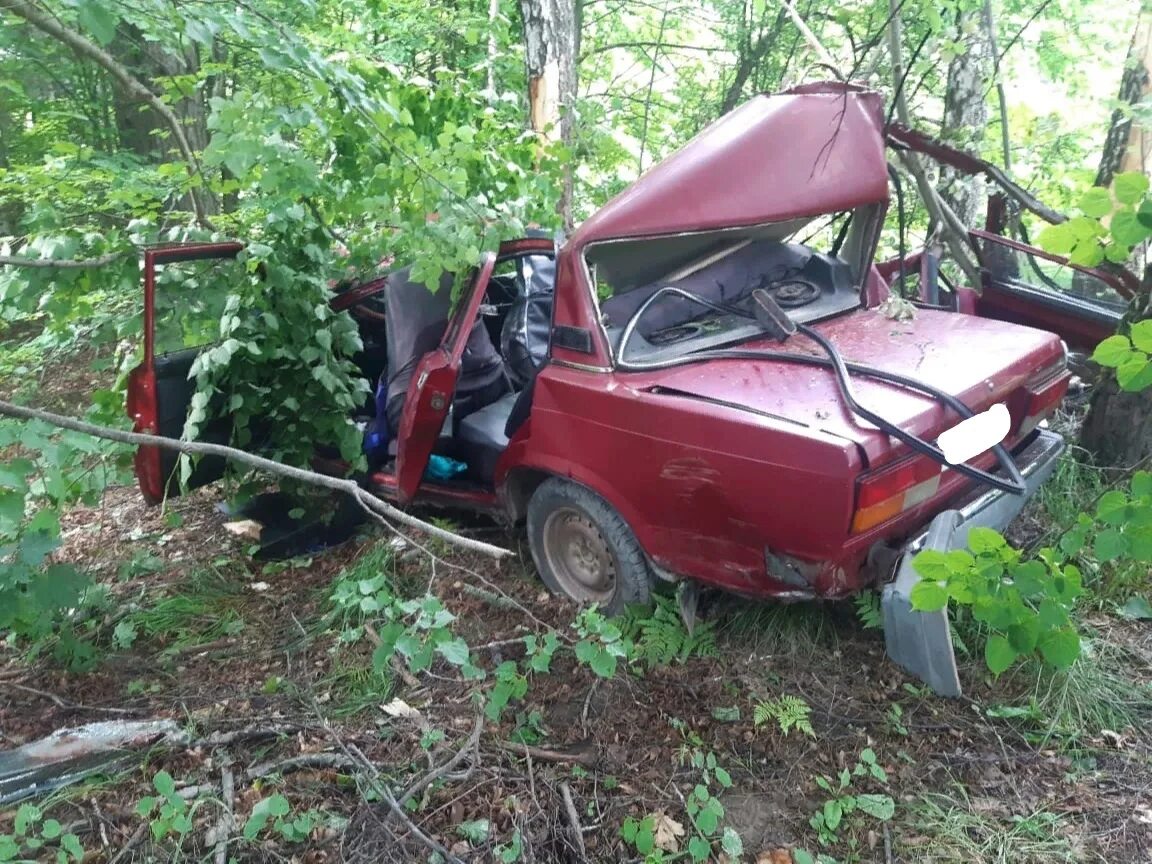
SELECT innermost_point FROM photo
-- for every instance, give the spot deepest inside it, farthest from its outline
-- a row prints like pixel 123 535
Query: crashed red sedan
pixel 697 384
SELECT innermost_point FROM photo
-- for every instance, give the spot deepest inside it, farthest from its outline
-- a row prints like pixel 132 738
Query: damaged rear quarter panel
pixel 705 487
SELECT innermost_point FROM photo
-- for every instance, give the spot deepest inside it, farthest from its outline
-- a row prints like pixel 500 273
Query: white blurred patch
pixel 973 436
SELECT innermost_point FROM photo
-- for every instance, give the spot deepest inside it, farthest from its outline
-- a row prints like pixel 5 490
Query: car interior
pixel 514 325
pixel 652 287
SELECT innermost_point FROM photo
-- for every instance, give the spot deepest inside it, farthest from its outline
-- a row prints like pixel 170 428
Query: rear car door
pixel 1025 285
pixel 429 396
pixel 180 320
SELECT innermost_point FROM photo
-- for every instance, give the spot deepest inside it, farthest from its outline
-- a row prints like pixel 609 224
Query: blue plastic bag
pixel 443 468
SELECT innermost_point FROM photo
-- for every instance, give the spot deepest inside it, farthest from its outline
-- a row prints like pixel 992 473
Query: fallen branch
pixel 227 819
pixel 955 233
pixel 301 763
pixel 61 263
pixel 574 820
pixel 588 760
pixel 436 773
pixel 379 509
pixel 249 733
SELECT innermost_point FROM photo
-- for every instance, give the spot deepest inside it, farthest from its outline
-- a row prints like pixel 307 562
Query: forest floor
pixel 260 665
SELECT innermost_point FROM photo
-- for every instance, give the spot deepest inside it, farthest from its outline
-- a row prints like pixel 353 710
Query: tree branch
pixel 61 263
pixel 955 233
pixel 85 48
pixel 376 507
pixel 663 46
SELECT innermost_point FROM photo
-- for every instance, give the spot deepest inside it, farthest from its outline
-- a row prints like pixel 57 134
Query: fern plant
pixel 788 712
pixel 868 610
pixel 660 638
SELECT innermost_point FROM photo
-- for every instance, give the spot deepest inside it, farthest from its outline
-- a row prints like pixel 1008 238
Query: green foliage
pixel 845 805
pixel 170 814
pixel 1025 604
pixel 659 637
pixel 35 838
pixel 868 610
pixel 1129 355
pixel 1113 223
pixel 44 471
pixel 275 812
pixel 705 810
pixel 602 643
pixel 787 712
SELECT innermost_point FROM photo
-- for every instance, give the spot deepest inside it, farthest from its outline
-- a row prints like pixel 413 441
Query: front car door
pixel 429 396
pixel 179 322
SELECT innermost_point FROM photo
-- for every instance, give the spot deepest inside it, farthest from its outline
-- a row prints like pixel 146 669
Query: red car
pixel 697 384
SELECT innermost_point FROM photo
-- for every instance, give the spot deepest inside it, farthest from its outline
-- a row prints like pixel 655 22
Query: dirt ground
pixel 250 660
pixel 980 778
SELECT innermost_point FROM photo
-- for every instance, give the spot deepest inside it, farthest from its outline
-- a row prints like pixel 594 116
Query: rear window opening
pixel 812 266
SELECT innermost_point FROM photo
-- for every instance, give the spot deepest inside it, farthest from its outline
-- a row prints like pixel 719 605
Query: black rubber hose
pixel 1014 485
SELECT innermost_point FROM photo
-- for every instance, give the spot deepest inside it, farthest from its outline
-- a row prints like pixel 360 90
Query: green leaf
pixel 1142 484
pixel 51 829
pixel 1096 202
pixel 999 654
pixel 1137 608
pixel 1130 186
pixel 454 651
pixel 699 848
pixel 603 664
pixel 928 596
pixel 1057 239
pixel 723 777
pixel 1141 335
pixel 1112 507
pixel 802 856
pixel 1022 637
pixel 983 540
pixel 1060 648
pixel 1113 351
pixel 931 564
pixel 1136 374
pixel 1110 544
pixel 880 807
pixel 1127 229
pixel 164 784
pixel 833 813
pixel 97 19
pixel 731 843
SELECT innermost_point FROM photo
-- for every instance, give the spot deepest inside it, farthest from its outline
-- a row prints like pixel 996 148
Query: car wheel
pixel 584 550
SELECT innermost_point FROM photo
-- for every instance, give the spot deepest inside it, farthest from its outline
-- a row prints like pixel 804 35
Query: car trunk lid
pixel 981 362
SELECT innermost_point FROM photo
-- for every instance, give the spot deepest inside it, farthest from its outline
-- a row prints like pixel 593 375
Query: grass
pixel 1072 488
pixel 203 608
pixel 769 628
pixel 959 832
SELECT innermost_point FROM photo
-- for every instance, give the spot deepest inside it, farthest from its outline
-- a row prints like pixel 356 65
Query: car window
pixel 1014 268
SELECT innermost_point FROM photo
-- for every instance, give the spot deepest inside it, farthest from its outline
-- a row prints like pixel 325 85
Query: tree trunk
pixel 1128 147
pixel 1118 427
pixel 1117 430
pixel 550 45
pixel 966 115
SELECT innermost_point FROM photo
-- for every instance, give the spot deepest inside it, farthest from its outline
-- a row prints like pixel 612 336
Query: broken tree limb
pixel 61 263
pixel 379 509
pixel 955 233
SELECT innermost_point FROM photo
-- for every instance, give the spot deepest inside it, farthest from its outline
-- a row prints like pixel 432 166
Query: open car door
pixel 1025 285
pixel 177 327
pixel 430 393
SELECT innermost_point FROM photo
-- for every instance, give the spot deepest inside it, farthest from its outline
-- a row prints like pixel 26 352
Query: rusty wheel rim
pixel 579 556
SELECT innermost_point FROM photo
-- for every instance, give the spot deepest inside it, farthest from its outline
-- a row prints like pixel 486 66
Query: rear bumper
pixel 921 642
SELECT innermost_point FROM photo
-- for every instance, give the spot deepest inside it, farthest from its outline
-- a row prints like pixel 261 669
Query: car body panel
pixel 430 392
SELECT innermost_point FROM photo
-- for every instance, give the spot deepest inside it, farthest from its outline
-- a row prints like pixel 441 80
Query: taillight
pixel 1043 393
pixel 891 491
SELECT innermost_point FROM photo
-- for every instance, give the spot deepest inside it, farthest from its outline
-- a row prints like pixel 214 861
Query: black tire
pixel 576 537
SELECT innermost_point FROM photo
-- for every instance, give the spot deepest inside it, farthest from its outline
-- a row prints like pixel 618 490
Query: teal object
pixel 443 468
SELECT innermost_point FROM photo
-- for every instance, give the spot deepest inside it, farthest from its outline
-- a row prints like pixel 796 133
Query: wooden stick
pixel 379 509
